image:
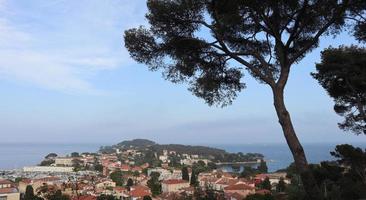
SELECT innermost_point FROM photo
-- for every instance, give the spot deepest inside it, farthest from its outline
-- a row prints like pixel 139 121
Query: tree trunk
pixel 308 180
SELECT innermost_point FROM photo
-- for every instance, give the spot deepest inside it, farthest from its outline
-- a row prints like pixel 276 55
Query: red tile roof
pixel 139 193
pixel 174 181
pixel 8 190
pixel 4 181
pixel 239 187
pixel 140 187
pixel 120 189
pixel 85 197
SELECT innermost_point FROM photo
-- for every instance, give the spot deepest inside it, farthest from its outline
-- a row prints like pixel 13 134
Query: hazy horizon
pixel 65 76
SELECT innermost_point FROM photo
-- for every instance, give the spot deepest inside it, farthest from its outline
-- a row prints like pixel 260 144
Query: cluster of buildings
pixel 88 185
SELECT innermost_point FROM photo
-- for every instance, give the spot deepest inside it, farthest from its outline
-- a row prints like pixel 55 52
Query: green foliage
pixel 295 190
pixel 248 172
pixel 259 197
pixel 117 177
pixel 129 183
pixel 98 167
pixel 29 193
pixel 142 143
pixel 58 196
pixel 74 154
pixel 211 166
pixel 265 184
pixel 342 73
pixel 154 184
pixel 147 198
pixel 18 179
pixel 208 44
pixel 207 194
pixel 106 197
pixel 262 168
pixel 51 155
pixel 281 186
pixel 77 164
pixel 136 173
pixel 47 162
pixel 194 181
pixel 185 173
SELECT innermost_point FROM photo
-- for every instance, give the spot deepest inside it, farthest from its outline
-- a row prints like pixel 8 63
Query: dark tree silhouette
pixel 185 174
pixel 29 193
pixel 147 198
pixel 129 183
pixel 209 44
pixel 342 73
pixel 266 184
pixel 194 181
pixel 262 168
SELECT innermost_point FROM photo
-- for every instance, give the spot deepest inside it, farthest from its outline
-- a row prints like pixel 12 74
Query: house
pixel 138 192
pixel 37 183
pixel 8 191
pixel 173 185
pixel 65 161
pixel 85 197
pixel 103 184
pixel 240 188
pixel 120 192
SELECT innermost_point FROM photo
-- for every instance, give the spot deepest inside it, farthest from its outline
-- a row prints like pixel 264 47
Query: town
pixel 140 170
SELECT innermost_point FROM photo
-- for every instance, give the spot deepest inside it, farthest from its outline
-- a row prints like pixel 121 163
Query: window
pixel 3 198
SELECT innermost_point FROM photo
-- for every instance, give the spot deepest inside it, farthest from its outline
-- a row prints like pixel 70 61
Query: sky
pixel 65 77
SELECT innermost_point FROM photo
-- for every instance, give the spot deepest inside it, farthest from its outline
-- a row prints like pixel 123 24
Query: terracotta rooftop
pixel 85 197
pixel 139 193
pixel 174 181
pixel 239 187
pixel 4 181
pixel 8 190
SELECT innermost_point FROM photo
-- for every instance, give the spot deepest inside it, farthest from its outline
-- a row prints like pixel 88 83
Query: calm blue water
pixel 280 156
pixel 19 155
pixel 13 156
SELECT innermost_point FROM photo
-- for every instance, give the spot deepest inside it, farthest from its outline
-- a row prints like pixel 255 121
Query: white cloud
pixel 65 58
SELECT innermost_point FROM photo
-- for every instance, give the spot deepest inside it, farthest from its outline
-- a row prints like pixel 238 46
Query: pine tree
pixel 185 174
pixel 194 181
pixel 29 193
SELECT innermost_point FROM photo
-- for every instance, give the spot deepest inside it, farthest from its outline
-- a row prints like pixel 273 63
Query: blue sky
pixel 65 76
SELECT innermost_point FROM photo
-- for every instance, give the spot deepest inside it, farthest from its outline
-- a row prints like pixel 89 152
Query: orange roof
pixel 174 181
pixel 8 190
pixel 85 197
pixel 136 168
pixel 4 181
pixel 140 187
pixel 239 187
pixel 139 193
pixel 227 181
pixel 125 167
pixel 119 189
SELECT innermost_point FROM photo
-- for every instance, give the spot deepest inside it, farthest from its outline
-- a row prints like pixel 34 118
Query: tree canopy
pixel 342 73
pixel 210 44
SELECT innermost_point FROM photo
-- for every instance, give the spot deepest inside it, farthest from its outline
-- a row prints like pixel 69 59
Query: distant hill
pixel 139 143
pixel 215 153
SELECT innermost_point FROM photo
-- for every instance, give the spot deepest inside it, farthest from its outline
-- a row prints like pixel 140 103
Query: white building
pixel 174 185
pixel 48 169
pixel 8 191
pixel 64 161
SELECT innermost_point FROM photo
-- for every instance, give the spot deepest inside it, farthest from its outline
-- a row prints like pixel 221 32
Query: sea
pixel 278 156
